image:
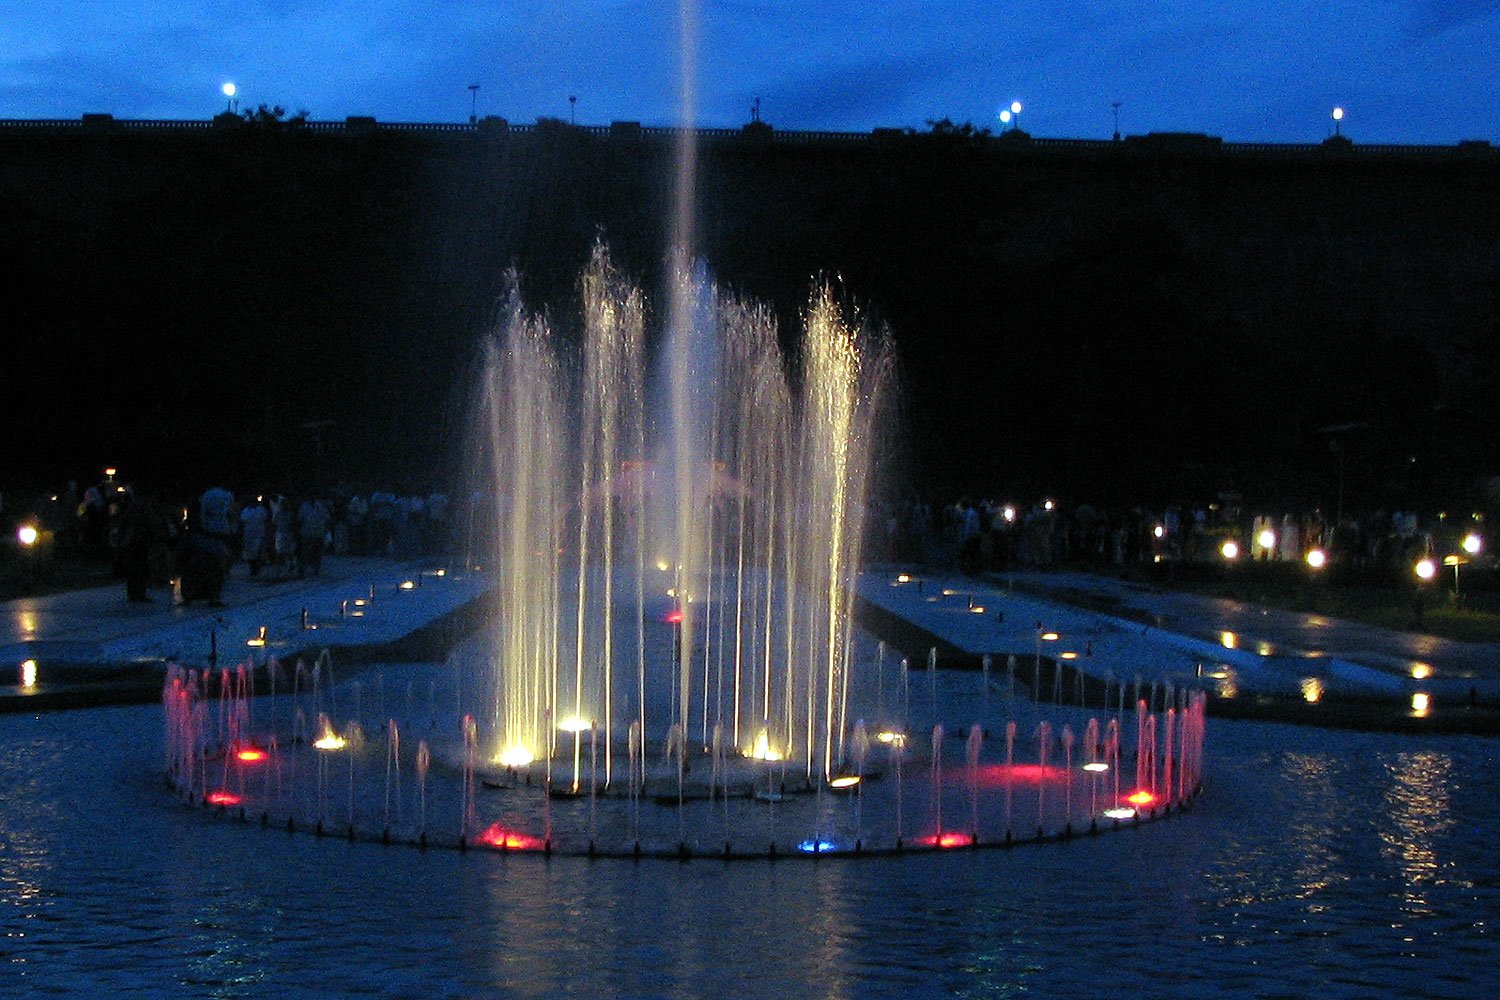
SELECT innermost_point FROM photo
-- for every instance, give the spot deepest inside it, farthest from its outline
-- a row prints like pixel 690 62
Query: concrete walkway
pixel 1272 632
pixel 77 639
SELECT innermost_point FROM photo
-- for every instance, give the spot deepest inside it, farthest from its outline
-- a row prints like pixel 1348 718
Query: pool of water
pixel 1356 864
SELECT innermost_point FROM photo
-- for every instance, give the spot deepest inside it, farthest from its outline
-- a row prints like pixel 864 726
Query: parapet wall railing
pixel 1178 144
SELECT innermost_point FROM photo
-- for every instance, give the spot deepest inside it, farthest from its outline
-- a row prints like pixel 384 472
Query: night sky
pixel 1406 70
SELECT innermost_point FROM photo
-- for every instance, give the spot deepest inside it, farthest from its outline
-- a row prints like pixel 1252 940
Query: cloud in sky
pixel 1408 70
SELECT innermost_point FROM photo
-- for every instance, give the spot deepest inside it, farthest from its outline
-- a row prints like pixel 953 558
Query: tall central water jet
pixel 732 509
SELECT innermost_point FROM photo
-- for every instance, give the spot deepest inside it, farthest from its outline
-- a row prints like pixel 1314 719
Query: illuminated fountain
pixel 725 502
pixel 672 667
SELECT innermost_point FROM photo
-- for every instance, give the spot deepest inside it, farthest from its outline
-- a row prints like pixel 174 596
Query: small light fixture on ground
pixel 1421 704
pixel 515 757
pixel 259 638
pixel 1096 767
pixel 1312 690
pixel 1050 636
pixel 1120 812
pixel 844 782
pixel 28 674
pixel 1421 671
pixel 574 724
pixel 889 737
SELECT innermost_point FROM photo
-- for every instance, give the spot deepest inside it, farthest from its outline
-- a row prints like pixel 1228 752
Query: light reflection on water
pixel 1359 862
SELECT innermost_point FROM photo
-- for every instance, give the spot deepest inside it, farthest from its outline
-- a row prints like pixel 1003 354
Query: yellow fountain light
pixel 1120 812
pixel 1229 640
pixel 360 602
pixel 1312 690
pixel 890 736
pixel 575 724
pixel 904 578
pixel 977 609
pixel 28 674
pixel 949 593
pixel 662 566
pixel 844 781
pixel 1230 550
pixel 27 535
pixel 1069 655
pixel 259 638
pixel 1421 671
pixel 1050 637
pixel 330 740
pixel 1096 767
pixel 408 585
pixel 762 748
pixel 109 473
pixel 1316 558
pixel 515 757
pixel 1421 704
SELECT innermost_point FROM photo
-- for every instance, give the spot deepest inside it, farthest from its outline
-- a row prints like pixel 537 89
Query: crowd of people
pixel 152 539
pixel 992 535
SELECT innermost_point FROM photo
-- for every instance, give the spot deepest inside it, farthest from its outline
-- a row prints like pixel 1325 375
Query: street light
pixel 27 535
pixel 1317 558
pixel 229 90
pixel 1472 543
pixel 1425 569
pixel 1015 113
pixel 1338 117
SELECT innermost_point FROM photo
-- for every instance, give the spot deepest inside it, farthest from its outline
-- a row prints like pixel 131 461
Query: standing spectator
pixel 254 520
pixel 138 532
pixel 284 524
pixel 216 513
pixel 312 527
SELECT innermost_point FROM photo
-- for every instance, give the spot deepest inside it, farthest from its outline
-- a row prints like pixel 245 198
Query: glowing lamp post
pixel 1316 558
pixel 1015 114
pixel 1338 119
pixel 229 90
pixel 1425 569
pixel 27 535
pixel 1472 544
pixel 1230 550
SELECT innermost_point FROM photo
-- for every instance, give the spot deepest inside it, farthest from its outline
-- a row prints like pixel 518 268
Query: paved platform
pixel 96 640
pixel 1252 660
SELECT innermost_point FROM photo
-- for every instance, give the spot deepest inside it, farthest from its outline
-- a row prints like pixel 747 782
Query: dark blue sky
pixel 1406 70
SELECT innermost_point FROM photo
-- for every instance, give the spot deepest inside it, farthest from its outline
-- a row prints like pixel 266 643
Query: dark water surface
pixel 1328 863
